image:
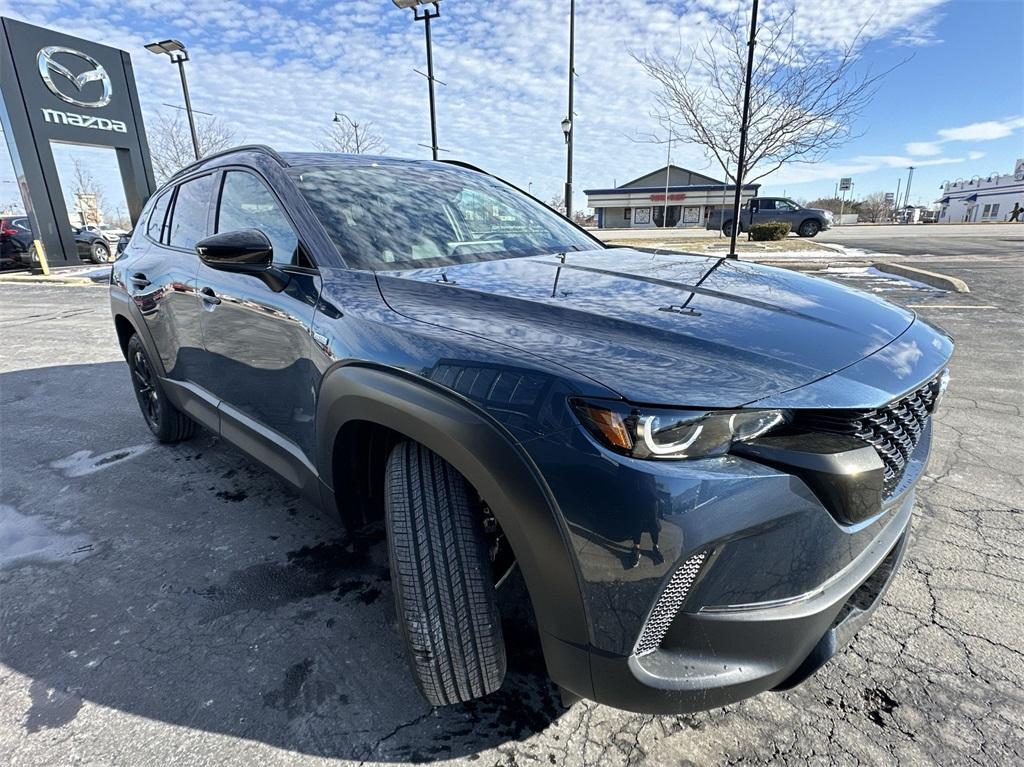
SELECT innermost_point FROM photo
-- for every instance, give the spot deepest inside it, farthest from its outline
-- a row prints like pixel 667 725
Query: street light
pixel 179 55
pixel 421 12
pixel 567 128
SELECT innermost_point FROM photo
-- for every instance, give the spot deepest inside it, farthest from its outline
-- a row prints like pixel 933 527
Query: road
pixel 181 606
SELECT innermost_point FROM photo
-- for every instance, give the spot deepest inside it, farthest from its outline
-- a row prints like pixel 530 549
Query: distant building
pixel 982 199
pixel 641 203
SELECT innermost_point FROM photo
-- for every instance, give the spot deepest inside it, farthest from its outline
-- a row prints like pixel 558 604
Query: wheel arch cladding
pixel 125 330
pixel 487 457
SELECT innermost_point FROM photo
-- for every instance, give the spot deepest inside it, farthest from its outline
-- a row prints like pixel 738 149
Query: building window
pixel 627 213
pixel 995 210
pixel 985 211
pixel 642 216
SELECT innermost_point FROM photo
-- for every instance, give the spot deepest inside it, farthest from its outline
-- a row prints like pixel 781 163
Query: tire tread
pixel 444 595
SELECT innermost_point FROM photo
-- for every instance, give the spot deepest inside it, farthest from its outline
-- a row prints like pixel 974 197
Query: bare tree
pixel 874 207
pixel 87 192
pixel 557 203
pixel 170 142
pixel 351 137
pixel 803 99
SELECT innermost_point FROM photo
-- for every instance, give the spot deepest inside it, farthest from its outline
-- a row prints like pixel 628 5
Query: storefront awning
pixel 944 201
pixel 971 198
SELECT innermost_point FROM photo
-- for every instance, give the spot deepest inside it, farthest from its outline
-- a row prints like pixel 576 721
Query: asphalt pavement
pixel 178 605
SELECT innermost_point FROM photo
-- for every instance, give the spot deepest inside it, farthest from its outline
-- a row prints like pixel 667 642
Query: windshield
pixel 385 216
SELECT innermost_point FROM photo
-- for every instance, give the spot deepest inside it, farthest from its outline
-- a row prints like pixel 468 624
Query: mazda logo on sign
pixel 57 76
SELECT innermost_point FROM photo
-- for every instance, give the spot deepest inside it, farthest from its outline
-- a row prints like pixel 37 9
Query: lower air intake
pixel 668 604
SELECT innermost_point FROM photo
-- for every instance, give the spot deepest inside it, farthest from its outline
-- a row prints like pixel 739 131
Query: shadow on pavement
pixel 186 585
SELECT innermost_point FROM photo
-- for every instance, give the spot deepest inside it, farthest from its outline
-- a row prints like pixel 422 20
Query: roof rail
pixel 231 150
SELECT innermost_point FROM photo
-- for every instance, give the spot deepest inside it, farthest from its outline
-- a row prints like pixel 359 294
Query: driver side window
pixel 245 203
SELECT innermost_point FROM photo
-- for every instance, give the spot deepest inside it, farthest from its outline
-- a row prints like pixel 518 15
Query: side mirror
pixel 244 250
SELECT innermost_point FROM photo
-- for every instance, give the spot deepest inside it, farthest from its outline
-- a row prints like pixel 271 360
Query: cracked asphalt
pixel 178 605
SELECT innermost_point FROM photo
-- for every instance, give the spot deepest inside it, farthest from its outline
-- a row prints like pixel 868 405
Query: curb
pixel 935 279
pixel 43 280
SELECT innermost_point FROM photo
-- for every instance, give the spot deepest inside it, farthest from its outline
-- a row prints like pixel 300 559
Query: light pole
pixel 567 122
pixel 357 145
pixel 567 191
pixel 421 12
pixel 179 55
pixel 910 177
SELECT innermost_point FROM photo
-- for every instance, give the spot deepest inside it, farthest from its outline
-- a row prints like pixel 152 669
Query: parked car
pixel 109 233
pixel 806 222
pixel 16 244
pixel 15 240
pixel 706 489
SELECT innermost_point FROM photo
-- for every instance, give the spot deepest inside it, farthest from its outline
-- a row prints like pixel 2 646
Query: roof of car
pixel 298 159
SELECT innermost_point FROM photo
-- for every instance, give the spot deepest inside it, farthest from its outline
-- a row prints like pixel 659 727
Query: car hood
pixel 657 329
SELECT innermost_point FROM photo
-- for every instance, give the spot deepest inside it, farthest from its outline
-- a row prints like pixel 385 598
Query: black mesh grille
pixel 668 604
pixel 893 430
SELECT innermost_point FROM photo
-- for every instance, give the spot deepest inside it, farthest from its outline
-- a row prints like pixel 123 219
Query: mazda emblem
pixel 50 69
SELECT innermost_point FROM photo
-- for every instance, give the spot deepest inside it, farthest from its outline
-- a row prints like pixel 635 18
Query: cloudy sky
pixel 276 71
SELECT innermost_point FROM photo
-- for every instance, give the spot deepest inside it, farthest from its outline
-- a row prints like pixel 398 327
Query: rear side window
pixel 155 227
pixel 189 215
pixel 245 203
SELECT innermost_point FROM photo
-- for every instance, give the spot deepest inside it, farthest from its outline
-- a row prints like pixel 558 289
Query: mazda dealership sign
pixel 58 88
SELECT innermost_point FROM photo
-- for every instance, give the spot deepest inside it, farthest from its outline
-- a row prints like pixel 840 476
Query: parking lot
pixel 171 605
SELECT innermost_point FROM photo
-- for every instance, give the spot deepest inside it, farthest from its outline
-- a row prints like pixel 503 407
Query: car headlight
pixel 672 434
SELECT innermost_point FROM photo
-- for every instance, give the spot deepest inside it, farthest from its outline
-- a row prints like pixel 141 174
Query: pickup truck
pixel 806 222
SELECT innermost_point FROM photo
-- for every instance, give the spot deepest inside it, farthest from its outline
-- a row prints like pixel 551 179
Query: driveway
pixel 177 605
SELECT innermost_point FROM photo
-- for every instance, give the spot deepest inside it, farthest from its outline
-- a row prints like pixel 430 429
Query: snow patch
pixel 25 539
pixel 84 462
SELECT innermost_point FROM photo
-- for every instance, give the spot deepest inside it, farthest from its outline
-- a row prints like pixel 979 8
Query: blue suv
pixel 703 468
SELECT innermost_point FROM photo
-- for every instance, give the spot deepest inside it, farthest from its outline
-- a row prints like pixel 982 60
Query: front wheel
pixel 441 574
pixel 727 229
pixel 809 228
pixel 99 252
pixel 166 422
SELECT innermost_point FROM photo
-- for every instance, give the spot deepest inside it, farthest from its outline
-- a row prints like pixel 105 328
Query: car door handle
pixel 209 297
pixel 139 280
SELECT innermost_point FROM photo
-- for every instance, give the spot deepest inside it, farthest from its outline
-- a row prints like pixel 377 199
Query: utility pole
pixel 570 117
pixel 743 132
pixel 421 11
pixel 896 200
pixel 427 16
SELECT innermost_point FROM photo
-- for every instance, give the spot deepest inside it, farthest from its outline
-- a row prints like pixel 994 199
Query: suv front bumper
pixel 782 581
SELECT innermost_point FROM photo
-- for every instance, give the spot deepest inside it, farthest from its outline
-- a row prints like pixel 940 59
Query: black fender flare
pixel 501 471
pixel 122 307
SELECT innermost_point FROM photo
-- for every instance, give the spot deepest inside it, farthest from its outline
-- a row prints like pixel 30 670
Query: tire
pixel 99 252
pixel 440 571
pixel 166 422
pixel 727 229
pixel 809 228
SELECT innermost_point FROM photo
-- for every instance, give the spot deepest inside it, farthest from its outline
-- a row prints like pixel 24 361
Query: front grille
pixel 668 604
pixel 893 430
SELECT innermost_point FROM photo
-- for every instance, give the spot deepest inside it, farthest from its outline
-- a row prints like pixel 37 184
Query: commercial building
pixel 980 198
pixel 642 203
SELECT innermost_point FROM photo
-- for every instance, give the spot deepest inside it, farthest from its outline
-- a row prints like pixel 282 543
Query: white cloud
pixel 988 130
pixel 277 71
pixel 855 166
pixel 924 148
pixel 983 131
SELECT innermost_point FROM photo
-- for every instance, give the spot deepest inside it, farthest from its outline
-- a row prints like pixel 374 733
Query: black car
pixel 703 468
pixel 16 244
